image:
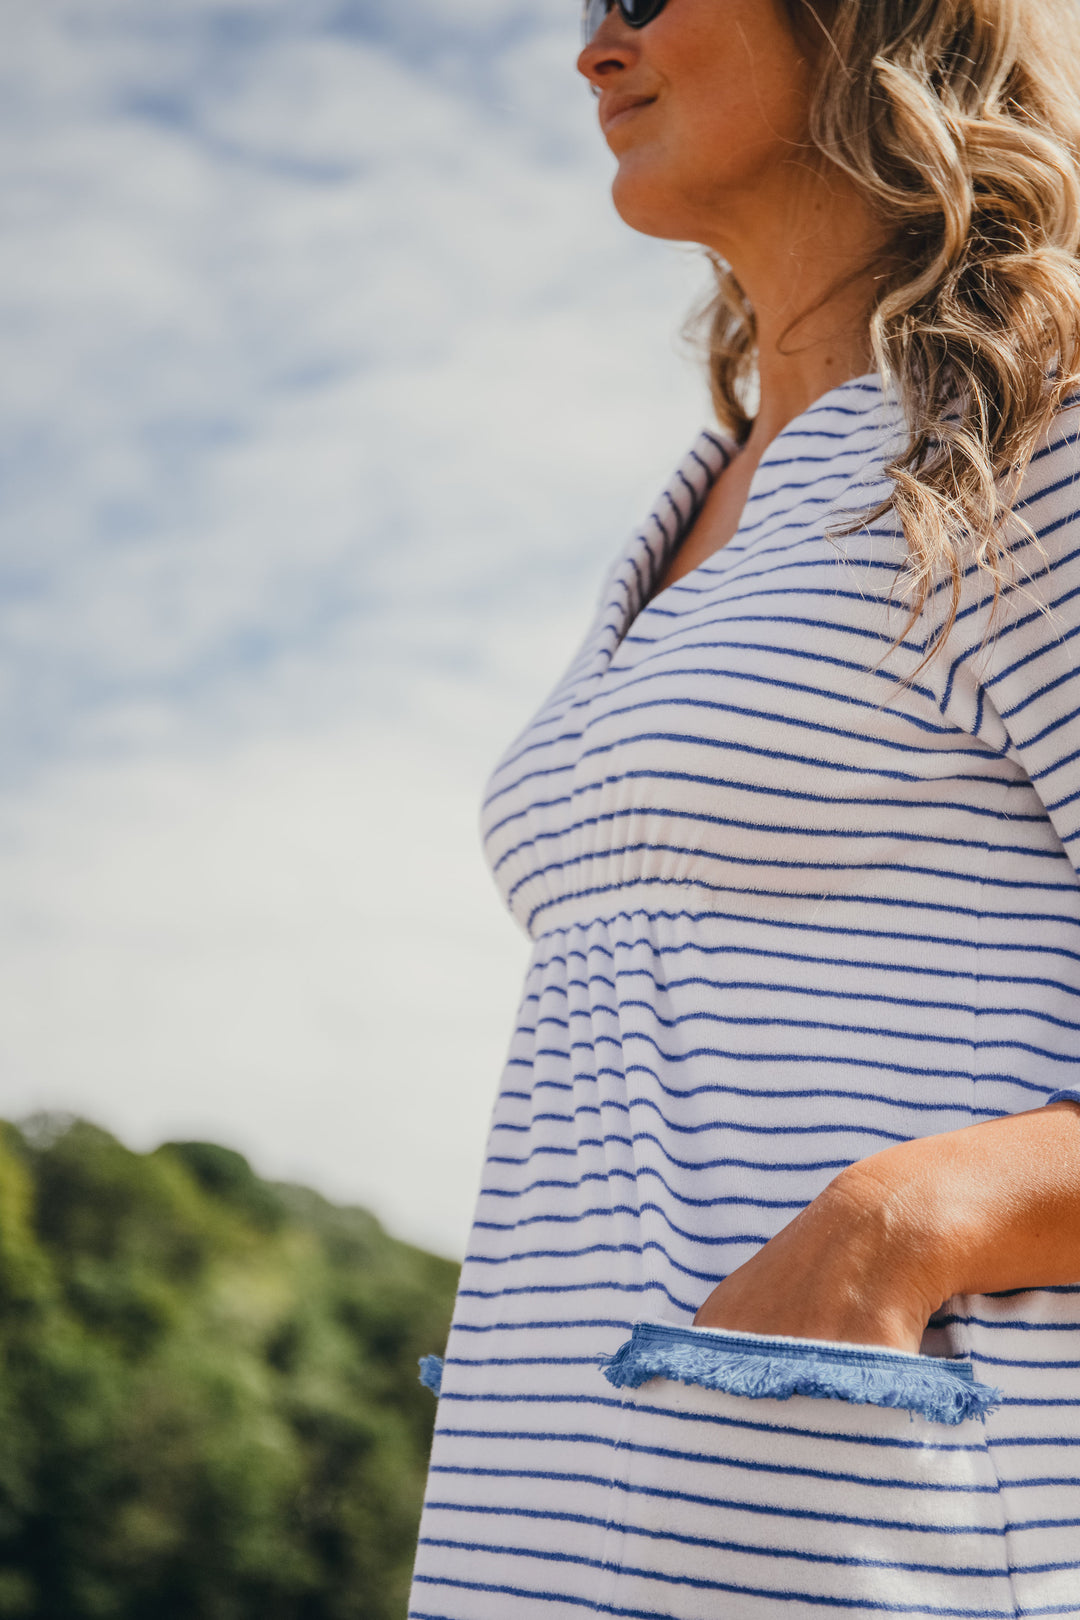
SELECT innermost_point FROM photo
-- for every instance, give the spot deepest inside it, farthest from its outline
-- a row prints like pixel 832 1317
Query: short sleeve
pixel 1012 672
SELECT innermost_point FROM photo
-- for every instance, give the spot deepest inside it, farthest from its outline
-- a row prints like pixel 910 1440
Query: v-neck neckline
pixel 712 452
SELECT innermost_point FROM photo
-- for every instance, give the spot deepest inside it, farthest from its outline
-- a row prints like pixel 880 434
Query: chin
pixel 645 205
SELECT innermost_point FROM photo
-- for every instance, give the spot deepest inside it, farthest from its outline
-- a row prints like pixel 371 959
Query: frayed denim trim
pixel 763 1367
pixel 431 1373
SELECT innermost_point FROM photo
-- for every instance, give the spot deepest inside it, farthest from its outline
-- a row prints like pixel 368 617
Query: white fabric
pixel 786 911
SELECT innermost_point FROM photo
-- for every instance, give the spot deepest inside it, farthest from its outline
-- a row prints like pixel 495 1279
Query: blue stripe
pixel 744 1464
pixel 741 1425
pixel 751 1549
pixel 780 829
pixel 727 857
pixel 696 1499
pixel 851 931
pixel 819 897
pixel 775 1594
pixel 787 794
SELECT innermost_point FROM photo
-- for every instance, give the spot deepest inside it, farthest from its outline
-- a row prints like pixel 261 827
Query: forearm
pixel 981 1210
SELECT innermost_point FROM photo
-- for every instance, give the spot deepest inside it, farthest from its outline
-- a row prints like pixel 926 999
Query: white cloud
pixel 330 383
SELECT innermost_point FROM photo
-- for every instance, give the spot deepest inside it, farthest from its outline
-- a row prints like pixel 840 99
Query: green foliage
pixel 209 1407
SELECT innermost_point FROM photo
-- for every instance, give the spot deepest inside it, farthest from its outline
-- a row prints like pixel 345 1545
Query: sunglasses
pixel 635 13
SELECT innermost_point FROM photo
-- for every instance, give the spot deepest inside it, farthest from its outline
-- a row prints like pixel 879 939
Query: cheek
pixel 707 144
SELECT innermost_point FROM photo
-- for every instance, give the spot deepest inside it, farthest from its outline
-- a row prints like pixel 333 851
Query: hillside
pixel 209 1406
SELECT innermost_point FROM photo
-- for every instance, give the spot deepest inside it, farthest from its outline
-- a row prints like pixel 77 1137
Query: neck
pixel 801 259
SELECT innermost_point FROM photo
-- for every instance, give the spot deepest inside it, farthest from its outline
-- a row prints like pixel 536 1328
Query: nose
pixel 612 48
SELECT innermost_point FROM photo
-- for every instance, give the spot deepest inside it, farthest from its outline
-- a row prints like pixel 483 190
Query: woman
pixel 797 1070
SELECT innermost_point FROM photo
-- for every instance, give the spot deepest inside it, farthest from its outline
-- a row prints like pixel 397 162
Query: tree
pixel 208 1398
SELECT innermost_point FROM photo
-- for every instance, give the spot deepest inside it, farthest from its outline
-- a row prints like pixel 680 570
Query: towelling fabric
pixel 785 909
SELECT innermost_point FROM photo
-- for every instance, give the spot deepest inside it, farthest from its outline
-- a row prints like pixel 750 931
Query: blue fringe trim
pixel 762 1367
pixel 431 1373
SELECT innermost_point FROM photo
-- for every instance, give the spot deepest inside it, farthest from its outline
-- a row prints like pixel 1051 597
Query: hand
pixel 982 1210
pixel 843 1269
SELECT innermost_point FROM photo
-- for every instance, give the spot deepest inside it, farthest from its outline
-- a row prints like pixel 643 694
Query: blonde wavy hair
pixel 960 122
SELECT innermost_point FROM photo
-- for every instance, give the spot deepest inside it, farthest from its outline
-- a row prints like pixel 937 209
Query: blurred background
pixel 331 383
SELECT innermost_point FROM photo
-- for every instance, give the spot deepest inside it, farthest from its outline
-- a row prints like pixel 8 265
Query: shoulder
pixel 1043 565
pixel 1035 607
pixel 1033 620
pixel 1043 528
pixel 1049 493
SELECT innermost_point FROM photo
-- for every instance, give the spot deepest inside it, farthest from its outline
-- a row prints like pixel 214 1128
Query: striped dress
pixel 785 910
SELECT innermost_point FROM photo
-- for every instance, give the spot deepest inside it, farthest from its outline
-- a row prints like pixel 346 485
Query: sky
pixel 330 385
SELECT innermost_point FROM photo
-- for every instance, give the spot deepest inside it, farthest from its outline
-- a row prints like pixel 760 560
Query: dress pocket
pixel 757 1476
pixel 763 1367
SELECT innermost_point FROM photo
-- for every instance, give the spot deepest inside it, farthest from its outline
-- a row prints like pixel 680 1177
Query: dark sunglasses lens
pixel 640 12
pixel 635 12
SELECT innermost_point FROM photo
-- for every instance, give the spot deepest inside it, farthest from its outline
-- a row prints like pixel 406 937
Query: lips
pixel 613 111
